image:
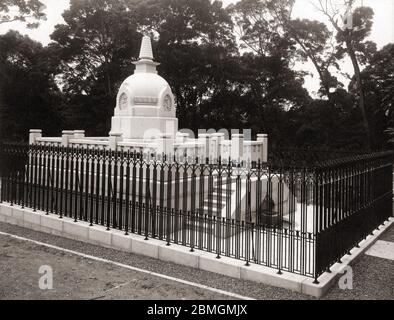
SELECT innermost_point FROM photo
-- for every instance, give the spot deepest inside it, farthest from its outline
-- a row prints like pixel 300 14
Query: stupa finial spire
pixel 145 63
pixel 146 48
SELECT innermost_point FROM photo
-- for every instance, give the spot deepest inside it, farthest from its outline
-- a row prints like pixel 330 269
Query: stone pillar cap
pixel 203 135
pixel 78 131
pixel 262 135
pixel 115 134
pixel 35 131
pixel 237 135
pixel 67 132
pixel 218 134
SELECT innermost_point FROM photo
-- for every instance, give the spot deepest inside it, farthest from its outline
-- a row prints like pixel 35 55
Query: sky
pixel 382 31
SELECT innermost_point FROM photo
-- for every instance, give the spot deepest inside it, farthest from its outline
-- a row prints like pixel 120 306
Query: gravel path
pixel 388 236
pixel 241 287
pixel 87 279
pixel 76 277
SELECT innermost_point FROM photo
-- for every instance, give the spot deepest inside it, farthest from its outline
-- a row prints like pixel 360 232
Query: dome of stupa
pixel 145 87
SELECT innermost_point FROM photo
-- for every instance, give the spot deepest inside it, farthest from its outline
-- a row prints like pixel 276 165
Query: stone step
pixel 224 191
pixel 214 206
pixel 215 201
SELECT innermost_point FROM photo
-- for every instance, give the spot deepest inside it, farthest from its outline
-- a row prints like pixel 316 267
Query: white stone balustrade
pixel 212 146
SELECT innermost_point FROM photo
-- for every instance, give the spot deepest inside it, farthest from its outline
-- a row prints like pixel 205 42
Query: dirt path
pixel 76 277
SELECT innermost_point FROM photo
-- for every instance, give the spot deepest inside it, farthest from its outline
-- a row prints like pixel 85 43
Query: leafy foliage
pixel 29 96
pixel 28 11
pixel 378 80
pixel 228 67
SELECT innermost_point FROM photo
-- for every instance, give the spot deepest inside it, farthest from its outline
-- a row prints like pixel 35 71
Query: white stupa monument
pixel 145 106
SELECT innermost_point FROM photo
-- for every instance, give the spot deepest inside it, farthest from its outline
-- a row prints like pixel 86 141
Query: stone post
pixel 181 137
pixel 237 147
pixel 34 134
pixel 247 152
pixel 214 146
pixel 165 145
pixel 66 135
pixel 114 138
pixel 203 138
pixel 220 139
pixel 264 152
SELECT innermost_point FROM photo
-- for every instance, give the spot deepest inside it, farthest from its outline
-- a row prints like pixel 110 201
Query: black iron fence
pixel 297 218
pixel 353 197
pixel 308 156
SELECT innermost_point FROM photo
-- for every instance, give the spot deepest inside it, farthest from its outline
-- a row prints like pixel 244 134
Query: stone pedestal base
pixel 143 127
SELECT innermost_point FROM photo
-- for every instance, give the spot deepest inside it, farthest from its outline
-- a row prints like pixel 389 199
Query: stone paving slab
pixel 382 249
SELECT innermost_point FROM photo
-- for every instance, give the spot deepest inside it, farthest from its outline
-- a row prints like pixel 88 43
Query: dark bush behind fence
pixel 299 212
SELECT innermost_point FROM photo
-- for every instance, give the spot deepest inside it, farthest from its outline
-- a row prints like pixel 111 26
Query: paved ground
pixel 75 277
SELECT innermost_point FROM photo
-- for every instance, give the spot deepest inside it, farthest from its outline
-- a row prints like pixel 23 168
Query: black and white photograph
pixel 197 158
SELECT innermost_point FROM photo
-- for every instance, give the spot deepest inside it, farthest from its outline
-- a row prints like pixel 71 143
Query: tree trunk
pixel 350 51
pixel 361 102
pixel 317 67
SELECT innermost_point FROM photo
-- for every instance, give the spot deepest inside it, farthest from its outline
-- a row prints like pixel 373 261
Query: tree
pixel 259 30
pixel 97 44
pixel 270 86
pixel 378 83
pixel 28 11
pixel 351 41
pixel 334 124
pixel 313 41
pixel 307 39
pixel 29 96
